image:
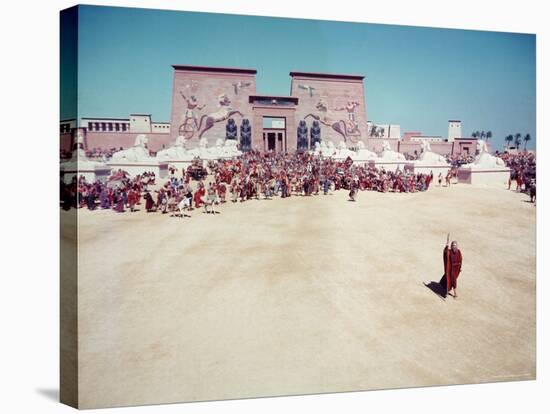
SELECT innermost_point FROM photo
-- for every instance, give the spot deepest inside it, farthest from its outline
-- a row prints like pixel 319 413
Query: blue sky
pixel 416 77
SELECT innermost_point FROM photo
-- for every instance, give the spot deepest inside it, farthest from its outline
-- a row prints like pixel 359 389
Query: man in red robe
pixel 199 194
pixel 452 261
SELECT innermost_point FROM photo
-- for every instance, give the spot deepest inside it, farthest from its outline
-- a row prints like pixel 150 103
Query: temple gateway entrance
pixel 274 140
pixel 274 126
pixel 274 134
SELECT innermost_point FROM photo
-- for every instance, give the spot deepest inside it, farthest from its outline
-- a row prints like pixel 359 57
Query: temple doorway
pixel 274 140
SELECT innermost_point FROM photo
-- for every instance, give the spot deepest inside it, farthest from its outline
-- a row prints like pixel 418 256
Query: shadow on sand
pixel 437 288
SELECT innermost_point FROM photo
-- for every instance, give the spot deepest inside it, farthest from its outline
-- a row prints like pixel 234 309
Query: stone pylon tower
pixel 455 130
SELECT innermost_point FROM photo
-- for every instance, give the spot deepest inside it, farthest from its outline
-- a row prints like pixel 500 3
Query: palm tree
pixel 509 139
pixel 517 140
pixel 482 134
pixel 475 134
pixel 488 135
pixel 526 138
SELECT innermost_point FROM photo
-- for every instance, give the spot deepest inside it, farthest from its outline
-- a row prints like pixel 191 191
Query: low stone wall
pixel 409 147
pixel 125 140
pixel 495 177
pixel 66 141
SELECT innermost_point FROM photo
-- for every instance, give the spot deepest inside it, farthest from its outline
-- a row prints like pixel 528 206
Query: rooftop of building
pixel 104 118
pixel 221 69
pixel 254 98
pixel 346 76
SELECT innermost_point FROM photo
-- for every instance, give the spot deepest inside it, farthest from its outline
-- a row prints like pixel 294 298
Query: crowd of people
pixel 253 175
pixel 523 171
pixel 118 193
pixel 457 160
pixel 102 153
pixel 256 175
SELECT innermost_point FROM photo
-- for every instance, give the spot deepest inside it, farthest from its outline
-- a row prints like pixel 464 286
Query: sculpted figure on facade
pixel 224 112
pixel 246 135
pixel 231 130
pixel 315 132
pixel 352 126
pixel 302 136
pixel 190 123
pixel 338 125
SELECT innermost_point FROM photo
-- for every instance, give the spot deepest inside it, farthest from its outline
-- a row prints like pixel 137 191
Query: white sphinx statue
pixel 176 152
pixel 218 150
pixel 388 154
pixel 484 160
pixel 317 149
pixel 230 148
pixel 201 150
pixel 137 153
pixel 428 157
pixel 78 157
pixel 486 168
pixel 343 152
pixel 331 149
pixel 363 153
pixel 80 164
pixel 321 148
pixel 224 148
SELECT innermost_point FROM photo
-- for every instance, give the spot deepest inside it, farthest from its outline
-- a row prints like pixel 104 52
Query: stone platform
pixel 427 168
pixel 483 176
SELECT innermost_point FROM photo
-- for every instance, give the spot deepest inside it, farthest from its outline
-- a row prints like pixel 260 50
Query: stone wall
pixel 66 141
pixel 375 144
pixel 335 93
pixel 219 90
pixel 125 140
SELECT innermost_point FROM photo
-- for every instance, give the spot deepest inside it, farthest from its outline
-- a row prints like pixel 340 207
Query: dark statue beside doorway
pixel 302 136
pixel 246 135
pixel 231 129
pixel 315 133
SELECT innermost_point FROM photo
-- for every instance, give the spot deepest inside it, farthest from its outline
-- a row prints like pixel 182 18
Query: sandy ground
pixel 305 295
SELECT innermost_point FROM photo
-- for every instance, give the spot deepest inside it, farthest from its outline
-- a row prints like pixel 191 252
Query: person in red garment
pixel 199 194
pixel 452 261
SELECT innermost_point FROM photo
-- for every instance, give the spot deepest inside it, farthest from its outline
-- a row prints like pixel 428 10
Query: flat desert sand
pixel 305 295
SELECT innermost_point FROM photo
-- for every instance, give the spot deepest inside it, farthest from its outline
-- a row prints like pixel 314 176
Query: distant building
pixel 426 138
pixel 67 125
pixel 322 106
pixel 391 131
pixel 466 146
pixel 136 123
pixel 409 134
pixel 455 130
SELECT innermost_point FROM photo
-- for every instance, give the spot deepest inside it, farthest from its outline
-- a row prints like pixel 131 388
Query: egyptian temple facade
pixel 204 98
pixel 213 103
